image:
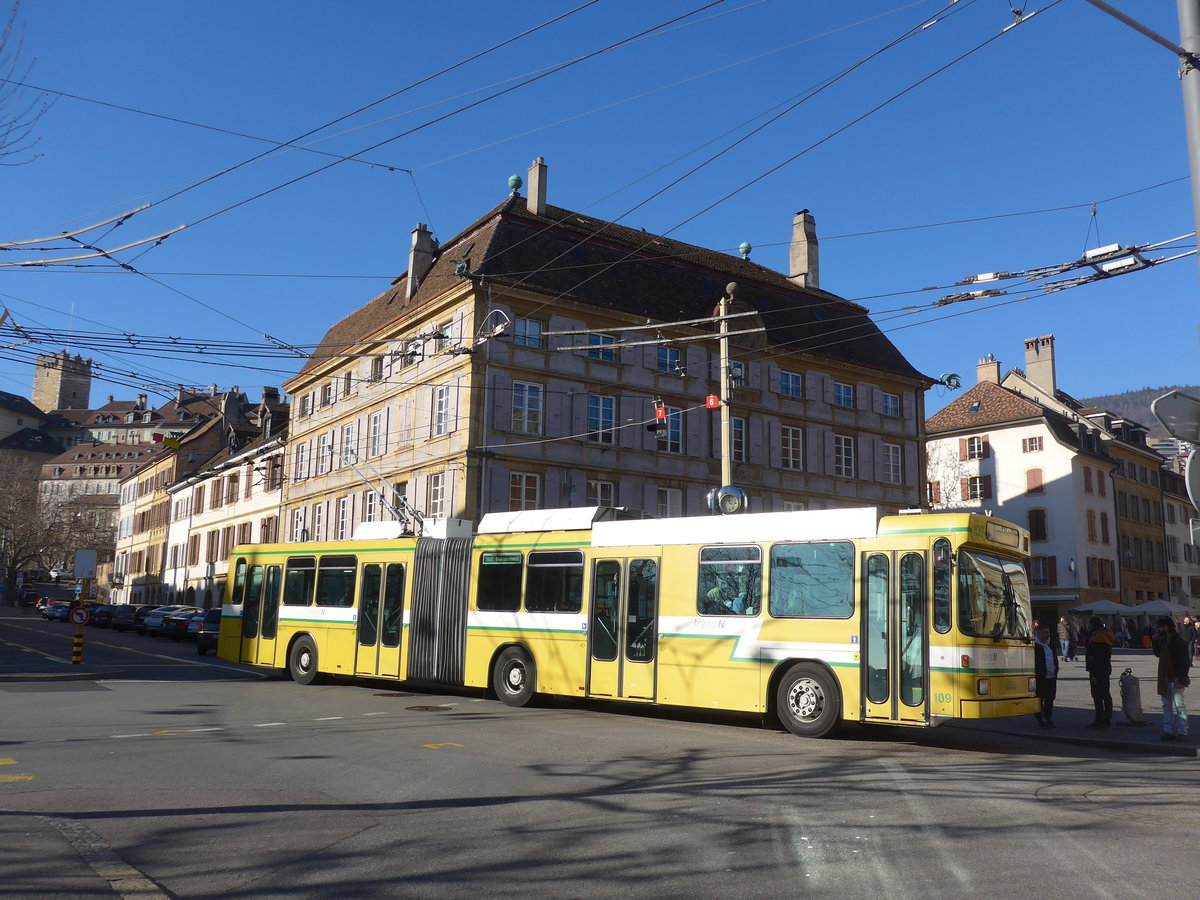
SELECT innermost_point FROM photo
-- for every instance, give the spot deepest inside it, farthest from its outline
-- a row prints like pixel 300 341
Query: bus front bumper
pixel 999 709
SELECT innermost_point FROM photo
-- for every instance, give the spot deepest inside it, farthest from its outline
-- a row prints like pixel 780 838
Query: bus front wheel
pixel 302 661
pixel 808 701
pixel 515 677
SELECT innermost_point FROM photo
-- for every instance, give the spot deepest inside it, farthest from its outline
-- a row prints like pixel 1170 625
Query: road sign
pixel 1179 414
pixel 79 615
pixel 78 588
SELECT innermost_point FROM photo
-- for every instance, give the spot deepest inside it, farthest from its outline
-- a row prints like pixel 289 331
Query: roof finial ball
pixel 744 248
pixel 731 290
pixel 514 184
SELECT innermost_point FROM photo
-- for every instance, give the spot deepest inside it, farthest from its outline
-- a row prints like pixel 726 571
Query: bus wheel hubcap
pixel 305 660
pixel 806 699
pixel 516 677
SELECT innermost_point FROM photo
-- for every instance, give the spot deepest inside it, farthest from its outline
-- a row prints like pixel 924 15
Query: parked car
pixel 29 597
pixel 129 616
pixel 205 628
pixel 175 626
pixel 102 615
pixel 153 623
pixel 56 610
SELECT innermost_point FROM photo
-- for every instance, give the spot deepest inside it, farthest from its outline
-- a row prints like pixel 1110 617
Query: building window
pixel 441 409
pixel 443 338
pixel 670 502
pixel 737 375
pixel 893 464
pixel 347 383
pixel 318 522
pixel 845 460
pixel 791 384
pixel 601 346
pixel 601 493
pixel 377 369
pixel 1043 571
pixel 976 448
pixel 528 333
pixel 436 495
pixel 524 491
pixel 348 454
pixel 343 518
pixel 737 429
pixel 668 360
pixel 370 506
pixel 791 455
pixel 1037 524
pixel 601 419
pixel 326 394
pixel 297 526
pixel 1034 483
pixel 527 409
pixel 1031 445
pixel 376 439
pixel 671 431
pixel 324 453
pixel 843 395
pixel 889 404
pixel 977 488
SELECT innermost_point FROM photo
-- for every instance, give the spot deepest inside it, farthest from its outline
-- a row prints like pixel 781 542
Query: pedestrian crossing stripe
pixel 8 779
pixel 7 761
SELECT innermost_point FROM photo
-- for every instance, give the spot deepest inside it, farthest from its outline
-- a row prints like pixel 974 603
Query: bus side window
pixel 298 580
pixel 814 580
pixel 941 585
pixel 729 581
pixel 335 581
pixel 498 587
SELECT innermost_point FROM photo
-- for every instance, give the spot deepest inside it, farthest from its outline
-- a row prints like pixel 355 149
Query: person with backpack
pixel 1098 662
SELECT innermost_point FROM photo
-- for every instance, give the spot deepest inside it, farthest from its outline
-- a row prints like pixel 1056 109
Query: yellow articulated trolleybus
pixel 816 617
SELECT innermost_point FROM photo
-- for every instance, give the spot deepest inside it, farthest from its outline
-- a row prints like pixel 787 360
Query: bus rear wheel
pixel 515 677
pixel 302 661
pixel 808 701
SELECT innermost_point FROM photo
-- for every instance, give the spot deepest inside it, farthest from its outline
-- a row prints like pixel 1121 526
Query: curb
pixel 1150 747
pixel 59 676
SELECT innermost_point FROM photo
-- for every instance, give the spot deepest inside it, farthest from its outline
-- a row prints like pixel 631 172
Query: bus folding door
pixel 623 629
pixel 895 637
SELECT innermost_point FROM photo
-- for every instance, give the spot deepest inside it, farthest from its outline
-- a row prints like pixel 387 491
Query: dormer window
pixel 145 417
pixel 974 407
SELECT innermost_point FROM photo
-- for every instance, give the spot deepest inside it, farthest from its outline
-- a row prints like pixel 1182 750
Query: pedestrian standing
pixel 1064 637
pixel 1097 659
pixel 1173 665
pixel 1189 633
pixel 1045 669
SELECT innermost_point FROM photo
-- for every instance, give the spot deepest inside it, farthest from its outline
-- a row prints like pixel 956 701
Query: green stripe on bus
pixel 962 529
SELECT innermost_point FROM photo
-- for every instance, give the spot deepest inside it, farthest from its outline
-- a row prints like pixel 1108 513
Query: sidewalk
pixel 1073 710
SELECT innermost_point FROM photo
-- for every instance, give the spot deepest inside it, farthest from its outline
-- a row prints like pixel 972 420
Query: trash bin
pixel 1131 699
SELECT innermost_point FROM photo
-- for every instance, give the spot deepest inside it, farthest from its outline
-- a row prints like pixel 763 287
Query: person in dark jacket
pixel 1098 662
pixel 1173 665
pixel 1189 633
pixel 1045 670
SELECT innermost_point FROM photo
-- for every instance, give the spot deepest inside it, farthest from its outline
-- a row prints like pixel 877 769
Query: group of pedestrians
pixel 1175 651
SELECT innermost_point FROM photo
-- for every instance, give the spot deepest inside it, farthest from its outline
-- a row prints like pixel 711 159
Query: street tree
pixel 20 107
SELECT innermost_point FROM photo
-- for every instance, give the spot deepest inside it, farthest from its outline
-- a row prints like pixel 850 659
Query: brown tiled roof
pixel 596 262
pixel 20 405
pixel 996 405
pixel 95 453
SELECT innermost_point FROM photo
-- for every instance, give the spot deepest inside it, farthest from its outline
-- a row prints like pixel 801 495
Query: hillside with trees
pixel 1135 405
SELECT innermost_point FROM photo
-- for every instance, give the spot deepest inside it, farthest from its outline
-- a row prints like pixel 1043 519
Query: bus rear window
pixel 812 580
pixel 499 586
pixel 555 581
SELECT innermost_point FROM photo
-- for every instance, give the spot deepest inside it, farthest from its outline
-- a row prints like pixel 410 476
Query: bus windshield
pixel 993 597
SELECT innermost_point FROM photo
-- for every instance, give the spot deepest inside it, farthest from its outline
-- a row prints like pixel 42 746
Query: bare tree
pixel 20 107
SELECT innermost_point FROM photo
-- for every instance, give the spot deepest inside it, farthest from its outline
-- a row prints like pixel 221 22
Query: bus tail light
pixel 1033 685
pixel 983 685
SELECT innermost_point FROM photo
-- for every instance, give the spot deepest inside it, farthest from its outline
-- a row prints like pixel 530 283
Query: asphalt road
pixel 190 777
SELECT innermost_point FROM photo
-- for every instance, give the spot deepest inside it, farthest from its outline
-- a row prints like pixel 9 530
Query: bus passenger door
pixel 623 629
pixel 380 620
pixel 248 584
pixel 895 638
pixel 269 615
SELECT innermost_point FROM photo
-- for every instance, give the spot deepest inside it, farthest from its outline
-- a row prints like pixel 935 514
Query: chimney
pixel 987 369
pixel 535 202
pixel 806 271
pixel 141 401
pixel 179 395
pixel 1039 363
pixel 420 258
pixel 270 395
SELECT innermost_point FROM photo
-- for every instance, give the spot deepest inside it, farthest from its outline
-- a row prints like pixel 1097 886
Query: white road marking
pixel 327 719
pixel 269 724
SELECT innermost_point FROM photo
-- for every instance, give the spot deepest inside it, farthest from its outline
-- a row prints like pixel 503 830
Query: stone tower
pixel 61 382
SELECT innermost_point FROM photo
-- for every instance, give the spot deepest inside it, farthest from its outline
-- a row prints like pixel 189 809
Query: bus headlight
pixel 982 685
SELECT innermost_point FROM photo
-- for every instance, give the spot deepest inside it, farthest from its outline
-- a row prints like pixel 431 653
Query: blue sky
pixel 1067 109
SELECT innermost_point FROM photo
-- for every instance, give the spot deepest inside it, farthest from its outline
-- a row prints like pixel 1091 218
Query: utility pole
pixel 1189 76
pixel 726 431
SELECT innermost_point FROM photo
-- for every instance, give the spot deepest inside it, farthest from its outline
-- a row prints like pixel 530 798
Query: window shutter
pixel 1052 570
pixel 962 448
pixel 1033 480
pixel 936 488
pixel 986 452
pixel 987 486
pixel 965 483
